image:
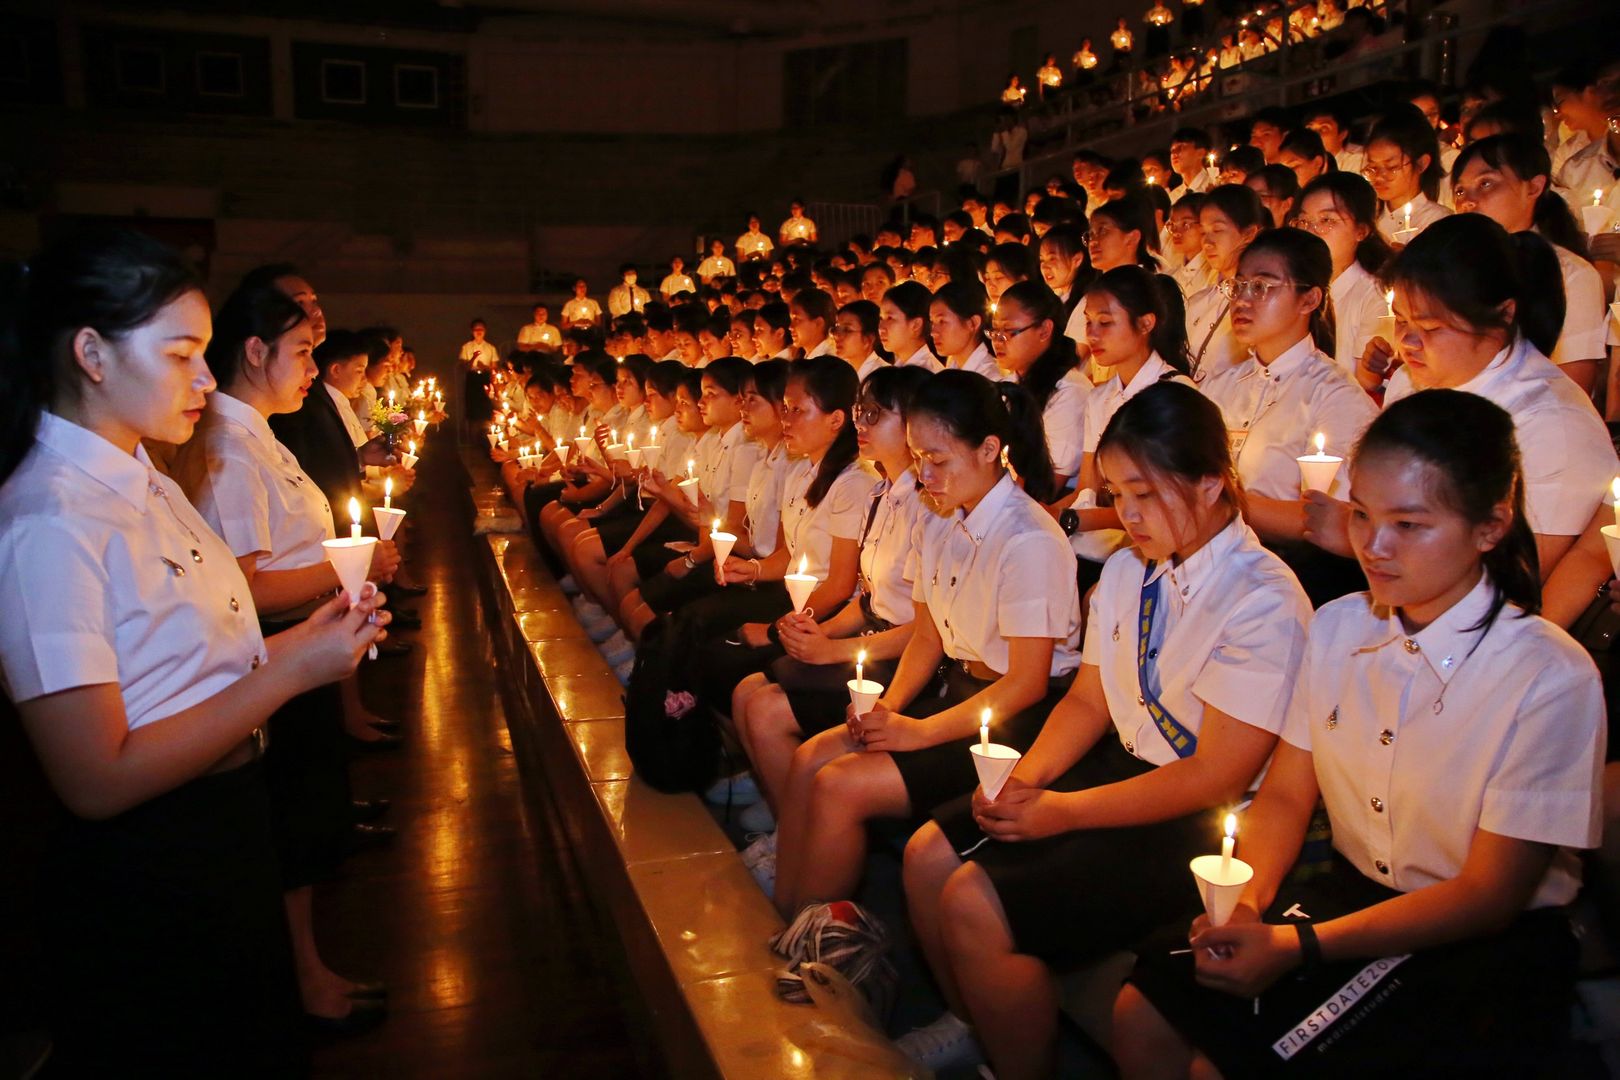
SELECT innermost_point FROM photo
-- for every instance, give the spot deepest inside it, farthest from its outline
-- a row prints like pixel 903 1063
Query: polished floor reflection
pixel 497 963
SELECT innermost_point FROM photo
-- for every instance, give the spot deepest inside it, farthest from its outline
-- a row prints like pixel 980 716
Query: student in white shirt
pixel 538 335
pixel 131 650
pixel 805 691
pixel 959 318
pixel 1193 640
pixel 753 244
pixel 797 229
pixel 1478 309
pixel 810 316
pixel 1456 739
pixel 1137 337
pixel 1332 125
pixel 1032 350
pixel 997 623
pixel 1231 216
pixel 677 280
pixel 772 331
pixel 903 326
pixel 1186 238
pixel 1403 166
pixel 717 265
pixel 1062 260
pixel 1285 393
pixel 627 296
pixel 581 311
pixel 854 336
pixel 1508 179
pixel 1341 209
pixel 251 491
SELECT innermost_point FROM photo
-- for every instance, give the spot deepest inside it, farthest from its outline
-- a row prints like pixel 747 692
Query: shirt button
pixel 1412 646
pixel 196 556
pixel 947 624
pixel 1383 867
pixel 255 665
pixel 1377 804
pixel 1130 748
pixel 1140 700
pixel 234 605
pixel 1386 736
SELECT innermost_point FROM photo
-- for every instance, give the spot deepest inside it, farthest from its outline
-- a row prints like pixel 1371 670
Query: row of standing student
pixel 134 650
pixel 992 626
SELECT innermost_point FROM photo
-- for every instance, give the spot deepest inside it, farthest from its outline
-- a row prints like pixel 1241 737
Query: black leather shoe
pixel 375 989
pixel 364 1015
pixel 382 742
pixel 387 727
pixel 393 647
pixel 372 835
pixel 367 810
pixel 404 621
pixel 406 590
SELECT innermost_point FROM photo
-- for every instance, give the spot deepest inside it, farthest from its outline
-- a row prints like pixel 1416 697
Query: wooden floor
pixel 497 963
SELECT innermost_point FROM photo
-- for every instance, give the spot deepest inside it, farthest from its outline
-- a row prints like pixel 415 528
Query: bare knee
pixel 929 853
pixel 970 910
pixel 743 695
pixel 1144 1043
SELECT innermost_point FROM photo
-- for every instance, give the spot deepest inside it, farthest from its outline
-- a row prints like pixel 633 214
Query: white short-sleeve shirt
pixel 1273 411
pixel 873 362
pixel 764 501
pixel 539 334
pixel 1425 212
pixel 351 422
pixel 810 530
pixel 1003 571
pixel 676 283
pixel 753 244
pixel 709 458
pixel 1358 304
pixel 1194 275
pixel 716 266
pixel 795 229
pixel 1209 332
pixel 1104 401
pixel 924 358
pixel 983 362
pixel 479 355
pixel 250 489
pixel 581 309
pixel 1568 458
pixel 738 454
pixel 108 575
pixel 1228 633
pixel 1586 316
pixel 1419 740
pixel 886 548
pixel 1065 420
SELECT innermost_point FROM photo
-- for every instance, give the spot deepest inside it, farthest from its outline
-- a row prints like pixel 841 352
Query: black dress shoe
pixel 366 810
pixel 405 621
pixel 375 989
pixel 406 590
pixel 393 647
pixel 382 742
pixel 372 835
pixel 364 1015
pixel 387 727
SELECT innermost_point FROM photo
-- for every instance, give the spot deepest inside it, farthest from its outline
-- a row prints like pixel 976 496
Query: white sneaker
pixel 622 672
pixel 585 607
pixel 762 847
pixel 738 789
pixel 758 818
pixel 568 585
pixel 947 1043
pixel 617 649
pixel 764 873
pixel 601 628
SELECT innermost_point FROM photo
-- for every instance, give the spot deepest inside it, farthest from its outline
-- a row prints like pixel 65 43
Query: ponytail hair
pixel 1141 294
pixel 1178 436
pixel 1475 475
pixel 1525 159
pixel 1406 128
pixel 1310 266
pixel 831 384
pixel 973 409
pixel 1355 198
pixel 1133 212
pixel 1049 368
pixel 1472 266
pixel 113 281
pixel 254 310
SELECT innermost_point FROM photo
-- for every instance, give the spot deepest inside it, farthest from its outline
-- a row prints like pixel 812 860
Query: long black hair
pixel 1355 198
pixel 1049 368
pixel 892 388
pixel 1471 266
pixel 1475 475
pixel 1310 266
pixel 1406 128
pixel 769 378
pixel 1133 212
pixel 1177 435
pixel 832 385
pixel 1525 158
pixel 1143 293
pixel 967 299
pixel 728 372
pixel 972 409
pixel 113 281
pixel 255 310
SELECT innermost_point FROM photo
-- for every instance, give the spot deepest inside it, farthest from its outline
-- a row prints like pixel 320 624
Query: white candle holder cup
pixel 863 694
pixel 994 763
pixel 723 542
pixel 615 451
pixel 1220 890
pixel 493 439
pixel 562 454
pixel 799 587
pixel 1595 218
pixel 582 446
pixel 1318 471
pixel 634 457
pixel 388 521
pixel 351 558
pixel 1385 328
pixel 409 460
pixel 421 427
pixel 689 489
pixel 650 455
pixel 1611 540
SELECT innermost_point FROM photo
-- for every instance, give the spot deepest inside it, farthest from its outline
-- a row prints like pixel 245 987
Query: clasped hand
pixel 1245 956
pixel 1021 812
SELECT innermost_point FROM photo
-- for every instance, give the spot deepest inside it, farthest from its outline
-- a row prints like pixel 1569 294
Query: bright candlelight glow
pixel 390 399
pixel 860 665
pixel 1389 302
pixel 804 565
pixel 691 467
pixel 388 493
pixel 716 527
pixel 629 440
pixel 1597 196
pixel 354 516
pixel 652 435
pixel 1321 443
pixel 984 731
pixel 1227 844
pixel 1614 489
pixel 613 436
pixel 582 431
pixel 412 445
pixel 420 415
pixel 1408 215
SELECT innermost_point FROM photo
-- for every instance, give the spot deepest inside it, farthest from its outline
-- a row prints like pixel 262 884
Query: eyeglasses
pixel 870 415
pixel 1256 289
pixel 1324 223
pixel 1001 337
pixel 1371 171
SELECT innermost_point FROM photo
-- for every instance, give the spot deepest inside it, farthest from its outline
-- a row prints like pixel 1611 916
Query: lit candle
pixel 1389 303
pixel 1614 489
pixel 860 665
pixel 629 441
pixel 390 399
pixel 1227 844
pixel 1597 196
pixel 984 731
pixel 1408 213
pixel 388 495
pixel 613 436
pixel 354 516
pixel 1319 470
pixel 691 469
pixel 582 431
pixel 412 445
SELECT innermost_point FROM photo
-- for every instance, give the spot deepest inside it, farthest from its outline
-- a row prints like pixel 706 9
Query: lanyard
pixel 1182 741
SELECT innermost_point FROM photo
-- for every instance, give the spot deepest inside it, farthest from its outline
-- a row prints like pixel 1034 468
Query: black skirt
pixel 819 693
pixel 168 940
pixel 1074 898
pixel 306 769
pixel 717 661
pixel 664 593
pixel 1493 1006
pixel 940 774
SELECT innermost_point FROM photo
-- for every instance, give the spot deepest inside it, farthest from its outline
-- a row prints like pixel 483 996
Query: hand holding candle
pixel 354 518
pixel 1319 470
pixel 801 585
pixel 863 692
pixel 1222 878
pixel 722 542
pixel 351 557
pixel 992 761
pixel 1595 217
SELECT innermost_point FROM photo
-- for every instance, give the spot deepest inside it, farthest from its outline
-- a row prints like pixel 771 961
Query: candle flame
pixel 1321 443
pixel 1231 824
pixel 860 658
pixel 420 415
pixel 388 488
pixel 984 717
pixel 613 436
pixel 1615 489
pixel 629 440
pixel 354 511
pixel 412 445
pixel 1597 196
pixel 716 525
pixel 804 565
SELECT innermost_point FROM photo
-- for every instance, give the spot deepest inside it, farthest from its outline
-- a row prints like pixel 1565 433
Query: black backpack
pixel 672 753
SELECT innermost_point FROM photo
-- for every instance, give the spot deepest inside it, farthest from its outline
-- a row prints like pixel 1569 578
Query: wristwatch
pixel 1069 520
